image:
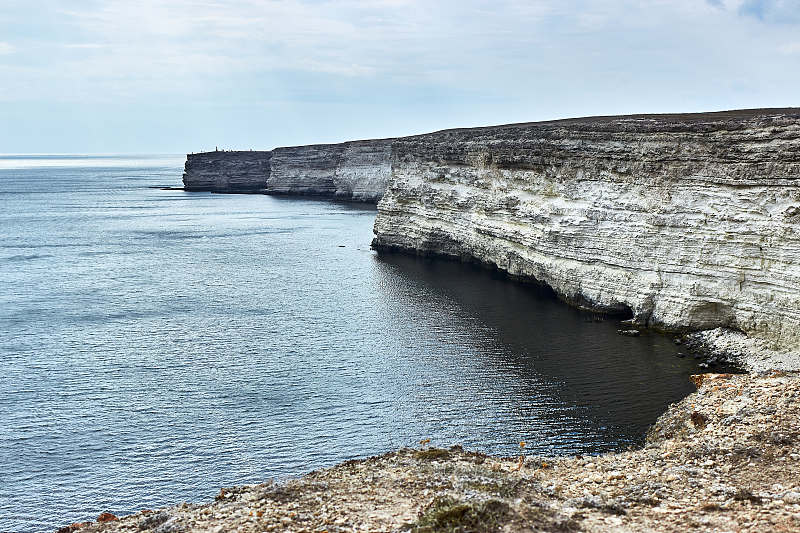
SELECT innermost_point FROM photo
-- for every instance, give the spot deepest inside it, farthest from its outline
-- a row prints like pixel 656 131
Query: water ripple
pixel 175 343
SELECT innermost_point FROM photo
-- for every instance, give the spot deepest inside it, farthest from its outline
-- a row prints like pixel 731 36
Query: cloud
pixel 85 46
pixel 766 11
pixel 772 11
pixel 114 47
pixel 6 49
pixel 319 63
pixel 790 48
pixel 399 39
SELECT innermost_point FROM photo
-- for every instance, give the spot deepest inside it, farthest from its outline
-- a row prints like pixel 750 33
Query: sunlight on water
pixel 32 161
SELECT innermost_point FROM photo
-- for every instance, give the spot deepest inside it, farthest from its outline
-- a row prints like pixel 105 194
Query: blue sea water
pixel 157 345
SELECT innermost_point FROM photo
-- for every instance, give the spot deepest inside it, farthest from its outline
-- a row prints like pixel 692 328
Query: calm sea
pixel 158 345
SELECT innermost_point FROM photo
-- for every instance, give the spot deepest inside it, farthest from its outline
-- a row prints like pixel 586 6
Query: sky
pixel 176 76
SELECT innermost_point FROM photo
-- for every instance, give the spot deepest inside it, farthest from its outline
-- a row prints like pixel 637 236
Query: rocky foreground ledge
pixel 726 458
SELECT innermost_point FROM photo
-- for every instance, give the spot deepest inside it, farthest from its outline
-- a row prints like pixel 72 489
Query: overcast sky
pixel 85 76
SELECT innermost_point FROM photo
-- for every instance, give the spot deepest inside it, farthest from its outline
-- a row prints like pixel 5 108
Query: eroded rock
pixel 684 221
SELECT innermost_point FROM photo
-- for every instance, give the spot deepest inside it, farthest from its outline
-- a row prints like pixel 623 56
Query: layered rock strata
pixel 685 222
pixel 357 171
pixel 225 171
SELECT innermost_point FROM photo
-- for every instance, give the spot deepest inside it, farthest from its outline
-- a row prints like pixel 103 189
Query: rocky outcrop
pixel 685 222
pixel 221 171
pixel 357 171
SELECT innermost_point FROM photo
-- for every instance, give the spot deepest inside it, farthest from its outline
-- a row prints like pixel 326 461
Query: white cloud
pixel 180 42
pixel 491 60
pixel 6 49
pixel 402 39
pixel 790 48
pixel 84 46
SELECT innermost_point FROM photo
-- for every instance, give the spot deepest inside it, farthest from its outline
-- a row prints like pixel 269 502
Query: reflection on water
pixel 561 371
pixel 158 345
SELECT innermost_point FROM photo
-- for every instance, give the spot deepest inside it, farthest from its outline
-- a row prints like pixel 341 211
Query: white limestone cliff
pixel 357 171
pixel 689 222
pixel 685 222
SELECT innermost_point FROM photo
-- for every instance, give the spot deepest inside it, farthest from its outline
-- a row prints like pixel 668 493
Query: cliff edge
pixel 683 222
pixel 354 171
pixel 231 171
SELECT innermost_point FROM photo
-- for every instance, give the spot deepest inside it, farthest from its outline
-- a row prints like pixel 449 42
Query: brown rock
pixel 107 517
pixel 699 420
pixel 699 379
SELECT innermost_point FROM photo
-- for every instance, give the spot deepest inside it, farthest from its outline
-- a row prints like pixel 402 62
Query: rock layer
pixel 357 171
pixel 686 222
pixel 227 171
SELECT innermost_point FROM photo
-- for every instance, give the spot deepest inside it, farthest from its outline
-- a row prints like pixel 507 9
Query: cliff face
pixel 683 221
pixel 227 171
pixel 356 171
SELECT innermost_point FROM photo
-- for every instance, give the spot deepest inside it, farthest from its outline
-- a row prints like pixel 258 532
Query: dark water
pixel 157 345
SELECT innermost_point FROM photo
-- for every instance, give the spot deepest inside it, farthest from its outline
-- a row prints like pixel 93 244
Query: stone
pixel 152 520
pixel 75 526
pixel 699 420
pixel 791 497
pixel 358 170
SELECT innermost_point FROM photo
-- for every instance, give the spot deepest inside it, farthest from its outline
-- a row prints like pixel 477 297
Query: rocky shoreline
pixel 735 348
pixel 684 223
pixel 726 458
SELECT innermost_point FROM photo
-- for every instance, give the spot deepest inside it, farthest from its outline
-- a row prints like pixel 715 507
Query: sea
pixel 157 345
